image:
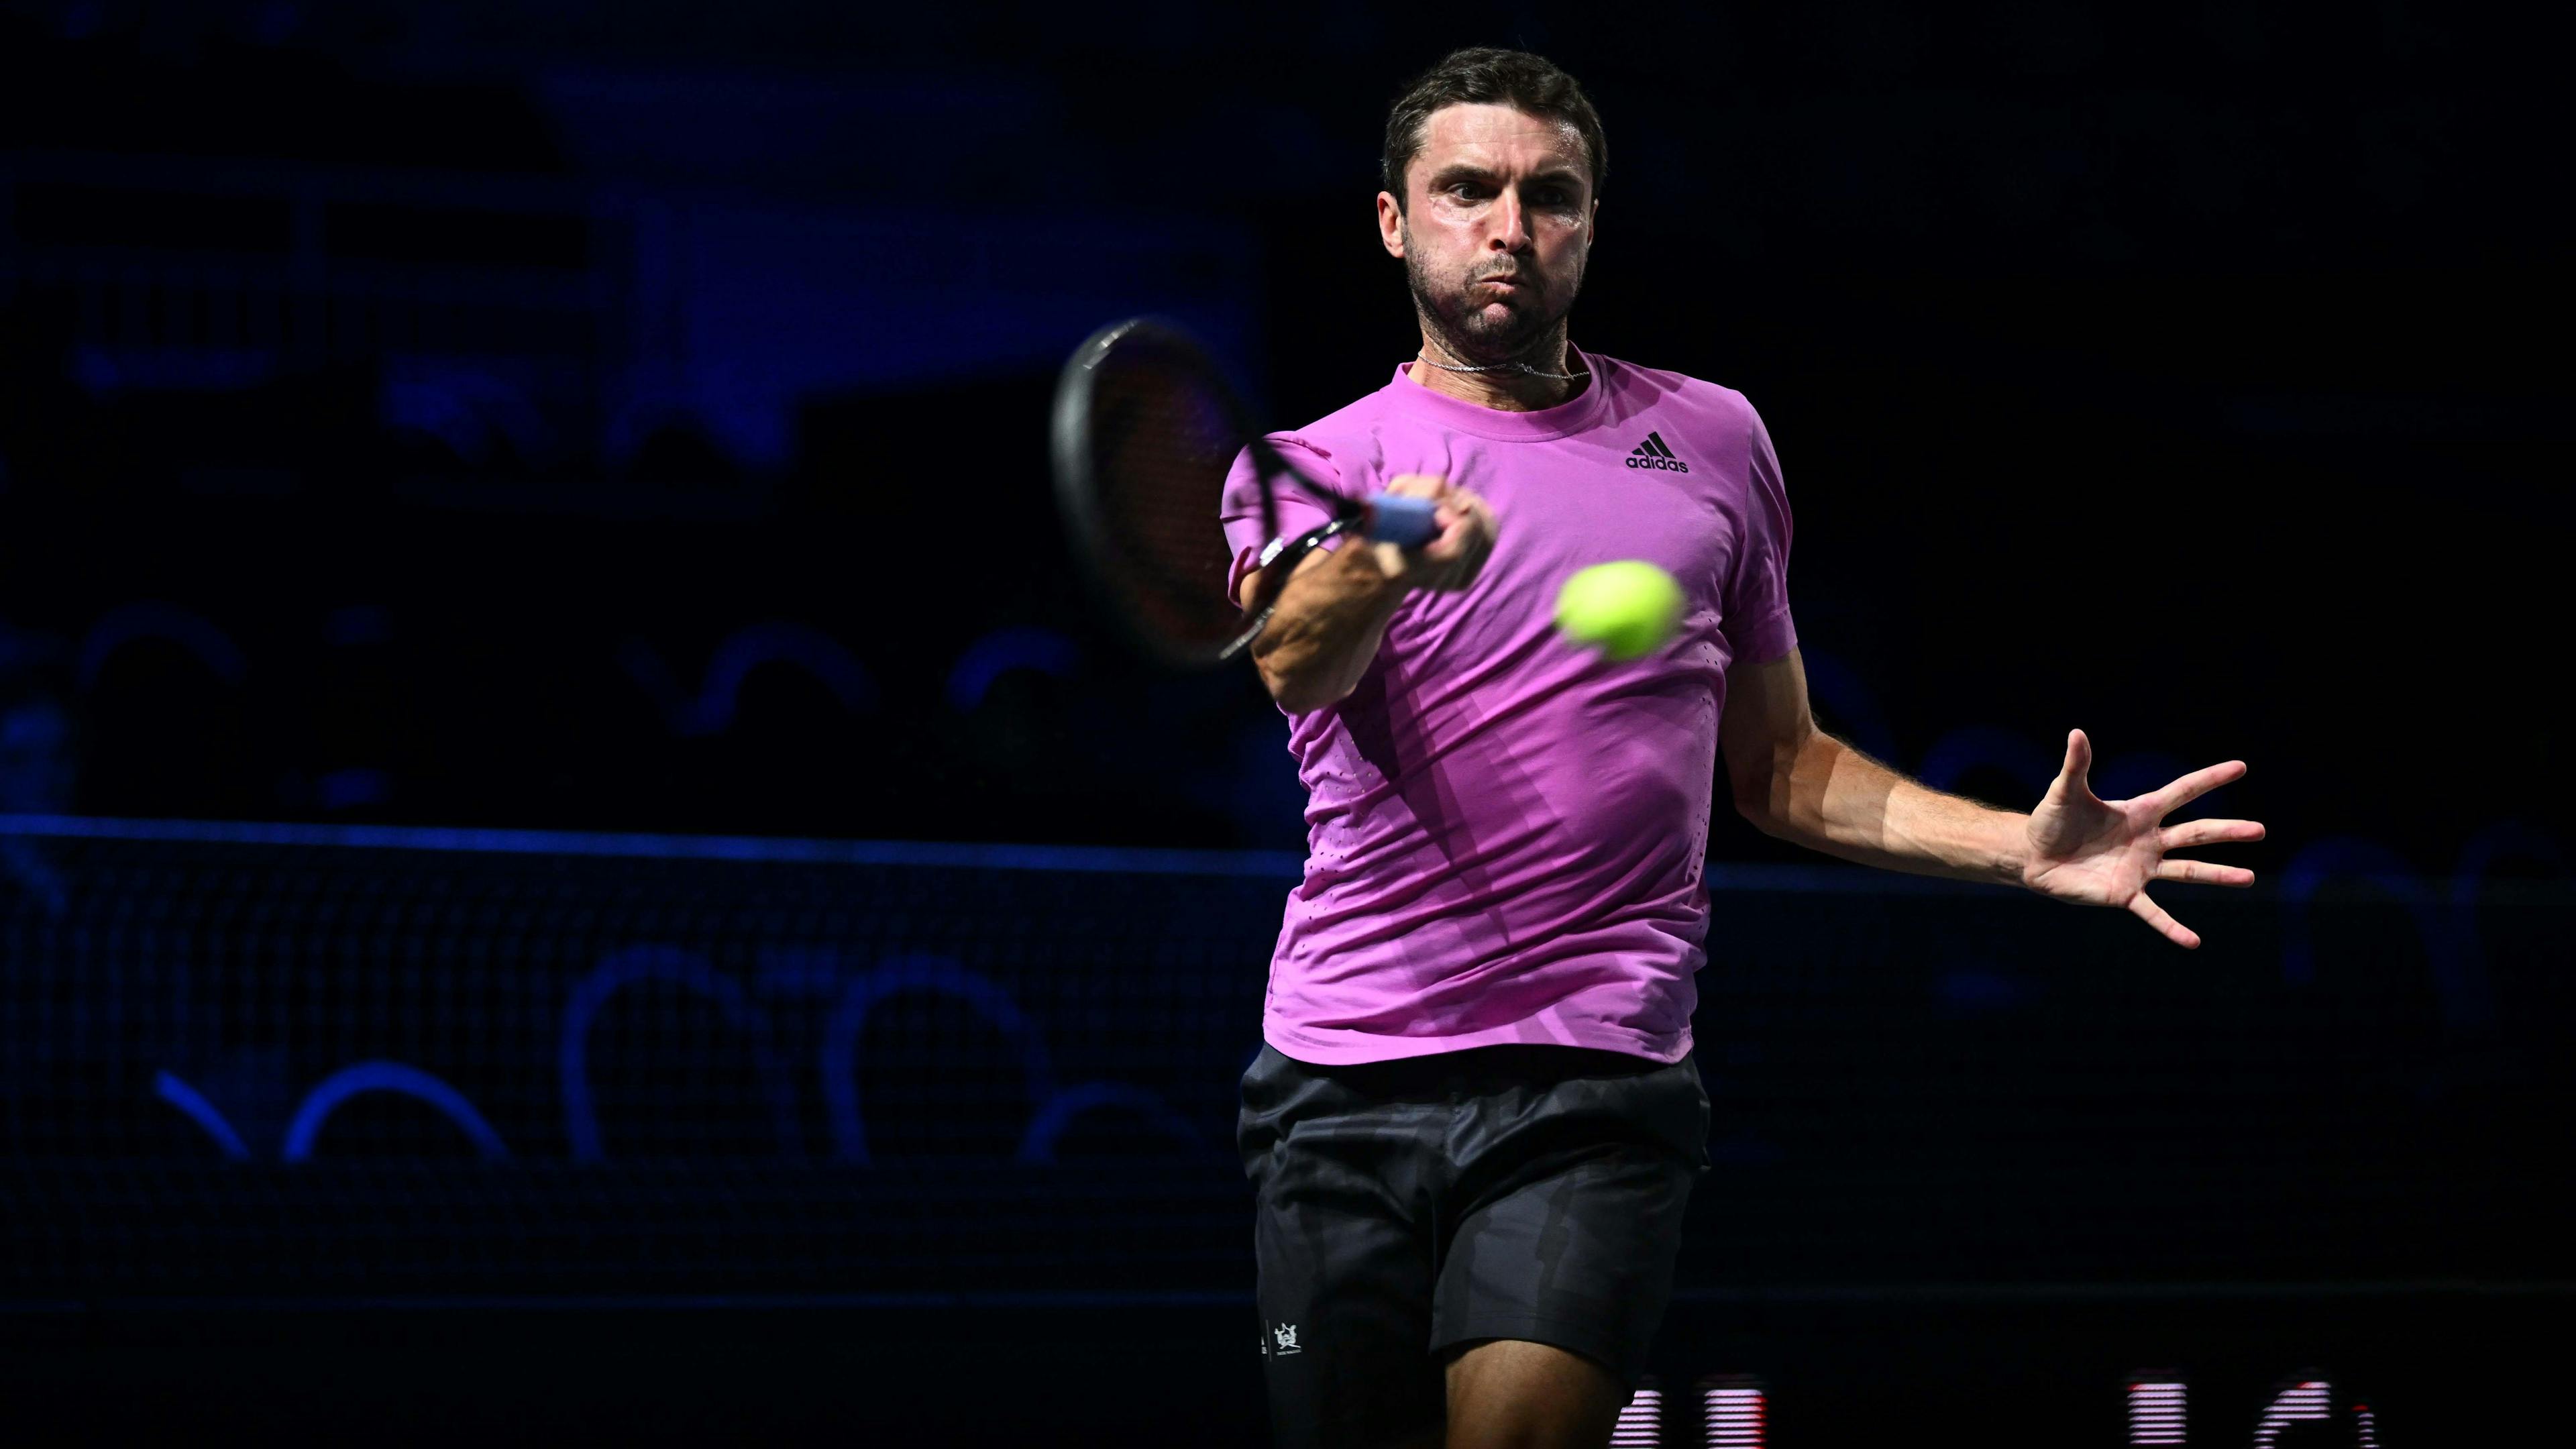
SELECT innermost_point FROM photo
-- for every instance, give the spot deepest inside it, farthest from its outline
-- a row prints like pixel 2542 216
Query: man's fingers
pixel 2172 930
pixel 2196 784
pixel 2201 872
pixel 1463 534
pixel 1465 525
pixel 2079 762
pixel 2209 832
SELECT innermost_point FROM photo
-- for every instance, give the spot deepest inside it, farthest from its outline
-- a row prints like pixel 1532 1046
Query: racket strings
pixel 1163 448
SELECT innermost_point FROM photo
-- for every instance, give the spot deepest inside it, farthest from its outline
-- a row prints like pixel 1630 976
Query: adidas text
pixel 1653 454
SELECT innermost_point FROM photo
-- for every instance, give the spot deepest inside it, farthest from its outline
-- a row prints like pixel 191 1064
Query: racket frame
pixel 1078 493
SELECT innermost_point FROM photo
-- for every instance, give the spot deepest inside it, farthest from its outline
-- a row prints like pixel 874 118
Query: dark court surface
pixel 2436 1365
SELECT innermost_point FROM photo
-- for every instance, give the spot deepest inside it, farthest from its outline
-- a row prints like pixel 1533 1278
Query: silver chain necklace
pixel 1524 367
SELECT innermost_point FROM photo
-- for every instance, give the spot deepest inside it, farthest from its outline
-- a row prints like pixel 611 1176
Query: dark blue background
pixel 628 418
pixel 587 415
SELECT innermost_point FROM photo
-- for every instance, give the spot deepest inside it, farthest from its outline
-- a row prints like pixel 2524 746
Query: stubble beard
pixel 1465 330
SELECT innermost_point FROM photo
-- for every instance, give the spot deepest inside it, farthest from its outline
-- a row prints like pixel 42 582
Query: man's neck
pixel 1506 390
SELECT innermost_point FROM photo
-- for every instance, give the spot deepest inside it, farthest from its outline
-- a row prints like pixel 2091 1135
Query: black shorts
pixel 1406 1207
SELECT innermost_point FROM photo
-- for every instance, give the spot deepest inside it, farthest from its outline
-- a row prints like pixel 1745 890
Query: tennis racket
pixel 1145 433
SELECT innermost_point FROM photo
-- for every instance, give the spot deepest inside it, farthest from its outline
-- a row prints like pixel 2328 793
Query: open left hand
pixel 2103 852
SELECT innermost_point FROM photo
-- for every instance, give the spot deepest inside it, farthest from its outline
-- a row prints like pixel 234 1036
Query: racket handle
pixel 1397 519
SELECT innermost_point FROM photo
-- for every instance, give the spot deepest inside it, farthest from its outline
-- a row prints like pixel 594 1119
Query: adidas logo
pixel 1653 454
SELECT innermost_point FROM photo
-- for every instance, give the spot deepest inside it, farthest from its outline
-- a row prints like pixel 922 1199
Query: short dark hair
pixel 1483 75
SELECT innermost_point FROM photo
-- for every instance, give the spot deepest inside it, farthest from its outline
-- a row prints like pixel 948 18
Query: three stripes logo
pixel 1653 454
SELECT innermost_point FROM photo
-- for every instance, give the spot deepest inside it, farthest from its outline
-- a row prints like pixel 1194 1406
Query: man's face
pixel 1496 226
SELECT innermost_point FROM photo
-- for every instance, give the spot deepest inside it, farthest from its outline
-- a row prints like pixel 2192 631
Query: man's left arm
pixel 1797 783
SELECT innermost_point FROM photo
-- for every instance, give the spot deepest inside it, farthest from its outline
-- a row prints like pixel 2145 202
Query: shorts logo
pixel 1286 1333
pixel 1653 454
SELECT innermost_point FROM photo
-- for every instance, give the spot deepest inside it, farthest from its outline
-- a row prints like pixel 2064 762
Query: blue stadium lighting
pixel 401 1080
pixel 341 789
pixel 762 849
pixel 153 619
pixel 193 1104
pixel 24 866
pixel 778 641
pixel 679 968
pixel 790 850
pixel 1003 650
pixel 920 973
pixel 1037 1147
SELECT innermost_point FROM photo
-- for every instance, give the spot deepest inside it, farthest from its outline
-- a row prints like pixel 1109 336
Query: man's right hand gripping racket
pixel 1145 433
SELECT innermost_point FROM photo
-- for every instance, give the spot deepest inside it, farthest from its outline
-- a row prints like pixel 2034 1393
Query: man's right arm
pixel 1333 613
pixel 1320 639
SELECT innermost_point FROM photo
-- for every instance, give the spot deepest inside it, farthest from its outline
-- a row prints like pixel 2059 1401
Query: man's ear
pixel 1390 224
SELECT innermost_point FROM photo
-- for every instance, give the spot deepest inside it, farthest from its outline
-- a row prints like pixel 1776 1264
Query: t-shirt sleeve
pixel 1757 622
pixel 1240 509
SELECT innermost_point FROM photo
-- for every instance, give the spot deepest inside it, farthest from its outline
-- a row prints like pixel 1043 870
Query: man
pixel 1475 1121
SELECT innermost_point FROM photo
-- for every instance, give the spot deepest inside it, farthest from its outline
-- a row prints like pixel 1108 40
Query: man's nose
pixel 1511 223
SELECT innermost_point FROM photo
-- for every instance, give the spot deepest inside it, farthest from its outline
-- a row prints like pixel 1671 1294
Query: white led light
pixel 1733 1416
pixel 2297 1403
pixel 2156 1413
pixel 1641 1423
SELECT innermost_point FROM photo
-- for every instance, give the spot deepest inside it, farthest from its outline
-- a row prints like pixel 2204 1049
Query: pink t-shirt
pixel 1505 831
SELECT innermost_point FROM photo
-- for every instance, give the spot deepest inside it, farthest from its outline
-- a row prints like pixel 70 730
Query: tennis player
pixel 1475 1121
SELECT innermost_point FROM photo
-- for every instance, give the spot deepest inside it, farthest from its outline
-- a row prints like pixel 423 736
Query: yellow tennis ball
pixel 1627 610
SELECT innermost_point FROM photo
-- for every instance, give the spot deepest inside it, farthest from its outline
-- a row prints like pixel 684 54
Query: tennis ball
pixel 1627 610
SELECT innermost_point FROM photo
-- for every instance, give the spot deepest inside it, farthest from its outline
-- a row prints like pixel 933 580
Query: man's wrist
pixel 2011 848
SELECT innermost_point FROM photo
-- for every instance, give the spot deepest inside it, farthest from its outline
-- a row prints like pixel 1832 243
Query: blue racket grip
pixel 1396 519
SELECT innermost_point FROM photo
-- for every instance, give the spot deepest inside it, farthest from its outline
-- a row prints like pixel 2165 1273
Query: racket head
pixel 1145 432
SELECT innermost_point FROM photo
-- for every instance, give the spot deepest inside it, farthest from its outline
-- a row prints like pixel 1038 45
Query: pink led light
pixel 1733 1415
pixel 2295 1404
pixel 2156 1413
pixel 1641 1423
